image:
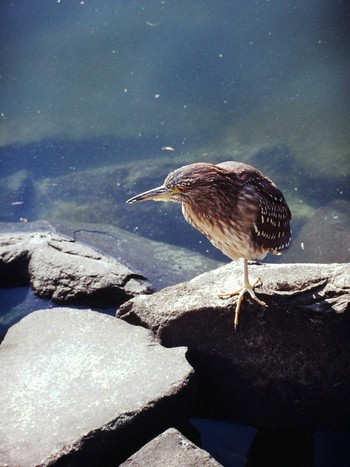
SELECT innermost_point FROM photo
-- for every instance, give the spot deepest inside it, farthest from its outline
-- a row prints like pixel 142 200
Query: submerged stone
pixel 326 236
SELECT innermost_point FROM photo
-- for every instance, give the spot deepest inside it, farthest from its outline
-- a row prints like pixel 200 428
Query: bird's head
pixel 180 185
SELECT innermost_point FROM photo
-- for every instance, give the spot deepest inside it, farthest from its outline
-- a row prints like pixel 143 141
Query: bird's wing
pixel 260 207
pixel 271 229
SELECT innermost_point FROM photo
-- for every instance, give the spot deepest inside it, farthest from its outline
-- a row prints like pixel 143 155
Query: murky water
pixel 99 100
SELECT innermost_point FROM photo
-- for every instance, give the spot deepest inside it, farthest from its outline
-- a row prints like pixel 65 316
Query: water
pixel 92 84
pixel 18 302
pixel 230 443
pixel 93 94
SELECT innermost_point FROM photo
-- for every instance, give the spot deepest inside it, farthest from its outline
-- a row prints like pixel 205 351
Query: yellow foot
pixel 240 292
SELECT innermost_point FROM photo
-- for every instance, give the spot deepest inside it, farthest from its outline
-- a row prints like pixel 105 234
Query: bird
pixel 238 208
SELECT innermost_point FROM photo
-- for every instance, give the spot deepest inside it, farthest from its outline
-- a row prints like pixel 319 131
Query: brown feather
pixel 238 208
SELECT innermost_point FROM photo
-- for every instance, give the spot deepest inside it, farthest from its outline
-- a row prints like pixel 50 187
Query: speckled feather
pixel 238 208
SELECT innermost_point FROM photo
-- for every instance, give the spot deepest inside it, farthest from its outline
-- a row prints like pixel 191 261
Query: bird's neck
pixel 200 214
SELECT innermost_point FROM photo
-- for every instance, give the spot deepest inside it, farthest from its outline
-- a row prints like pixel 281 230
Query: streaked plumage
pixel 238 208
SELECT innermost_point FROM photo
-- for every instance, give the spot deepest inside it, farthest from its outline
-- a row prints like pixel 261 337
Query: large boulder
pixel 82 388
pixel 171 449
pixel 286 364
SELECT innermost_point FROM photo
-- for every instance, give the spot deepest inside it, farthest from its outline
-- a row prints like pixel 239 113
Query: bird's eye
pixel 176 189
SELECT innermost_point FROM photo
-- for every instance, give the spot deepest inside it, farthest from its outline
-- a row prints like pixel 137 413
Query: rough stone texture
pixel 171 449
pixel 82 388
pixel 65 271
pixel 162 264
pixel 286 364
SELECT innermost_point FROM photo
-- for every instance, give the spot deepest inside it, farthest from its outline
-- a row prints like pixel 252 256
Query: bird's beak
pixel 157 194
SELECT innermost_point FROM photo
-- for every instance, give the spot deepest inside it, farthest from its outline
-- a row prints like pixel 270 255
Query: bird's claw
pixel 240 292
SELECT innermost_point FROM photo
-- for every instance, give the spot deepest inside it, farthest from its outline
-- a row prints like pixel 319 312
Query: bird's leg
pixel 246 287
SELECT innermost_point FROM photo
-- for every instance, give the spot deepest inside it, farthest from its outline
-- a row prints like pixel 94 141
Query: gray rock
pixel 162 264
pixel 83 388
pixel 171 449
pixel 286 364
pixel 63 270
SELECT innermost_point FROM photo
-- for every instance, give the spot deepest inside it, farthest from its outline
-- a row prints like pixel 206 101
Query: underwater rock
pixel 82 388
pixel 171 449
pixel 287 364
pixel 99 196
pixel 63 270
pixel 17 196
pixel 326 236
pixel 162 264
pixel 73 196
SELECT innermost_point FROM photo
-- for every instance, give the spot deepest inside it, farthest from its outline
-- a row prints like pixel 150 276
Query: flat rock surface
pixel 171 449
pixel 83 388
pixel 64 270
pixel 286 364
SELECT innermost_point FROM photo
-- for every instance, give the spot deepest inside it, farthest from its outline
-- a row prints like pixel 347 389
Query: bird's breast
pixel 228 237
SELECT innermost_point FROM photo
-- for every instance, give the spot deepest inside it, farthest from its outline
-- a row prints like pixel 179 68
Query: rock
pixel 65 271
pixel 287 364
pixel 170 449
pixel 82 388
pixel 162 264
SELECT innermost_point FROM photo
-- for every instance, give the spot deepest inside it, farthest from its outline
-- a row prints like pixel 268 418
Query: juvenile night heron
pixel 238 208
